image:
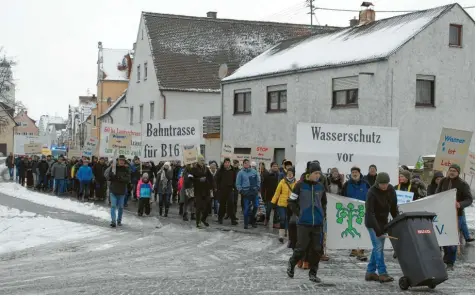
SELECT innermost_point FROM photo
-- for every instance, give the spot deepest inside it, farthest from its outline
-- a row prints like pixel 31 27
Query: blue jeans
pixel 248 203
pixel 164 200
pixel 463 226
pixel 215 205
pixel 10 171
pixel 59 186
pixel 84 188
pixel 283 219
pixel 376 262
pixel 117 201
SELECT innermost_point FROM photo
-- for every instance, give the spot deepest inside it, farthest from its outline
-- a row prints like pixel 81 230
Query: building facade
pixel 420 85
pixel 26 125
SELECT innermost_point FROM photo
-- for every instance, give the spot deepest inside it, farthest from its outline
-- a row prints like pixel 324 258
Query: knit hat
pixel 406 174
pixel 456 167
pixel 308 165
pixel 382 178
pixel 200 158
pixel 438 174
pixel 145 175
pixel 122 157
pixel 314 167
pixel 354 168
pixel 373 166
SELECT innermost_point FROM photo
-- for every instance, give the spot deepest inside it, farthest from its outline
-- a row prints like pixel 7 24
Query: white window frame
pixel 131 115
pixel 138 73
pixel 145 71
pixel 431 79
pixel 141 113
pixel 152 110
pixel 349 86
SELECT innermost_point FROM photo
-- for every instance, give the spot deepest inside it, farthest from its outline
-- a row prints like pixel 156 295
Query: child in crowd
pixel 144 190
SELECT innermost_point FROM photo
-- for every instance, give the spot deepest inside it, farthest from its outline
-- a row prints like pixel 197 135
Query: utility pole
pixel 310 4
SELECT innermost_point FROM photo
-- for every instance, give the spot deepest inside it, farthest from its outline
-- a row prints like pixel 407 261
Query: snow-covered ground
pixel 21 230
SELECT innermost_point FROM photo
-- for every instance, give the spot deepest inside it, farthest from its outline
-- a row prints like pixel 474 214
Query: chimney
pixel 367 14
pixel 354 22
pixel 212 14
pixel 99 45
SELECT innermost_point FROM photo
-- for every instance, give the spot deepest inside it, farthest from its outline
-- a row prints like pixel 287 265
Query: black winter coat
pixel 225 179
pixel 201 189
pixel 43 167
pixel 378 205
pixel 120 180
pixel 270 183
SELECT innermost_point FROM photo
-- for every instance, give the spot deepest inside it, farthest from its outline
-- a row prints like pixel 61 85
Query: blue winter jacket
pixel 309 202
pixel 357 190
pixel 248 182
pixel 85 174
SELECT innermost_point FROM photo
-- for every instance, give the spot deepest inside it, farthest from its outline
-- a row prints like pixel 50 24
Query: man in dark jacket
pixel 381 201
pixel 308 201
pixel 434 183
pixel 270 183
pixel 372 175
pixel 202 184
pixel 226 178
pixel 98 171
pixel 42 170
pixel 10 165
pixel 117 189
pixel 464 199
pixel 135 175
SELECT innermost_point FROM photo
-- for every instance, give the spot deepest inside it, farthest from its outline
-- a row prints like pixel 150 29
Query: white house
pixel 176 66
pixel 414 71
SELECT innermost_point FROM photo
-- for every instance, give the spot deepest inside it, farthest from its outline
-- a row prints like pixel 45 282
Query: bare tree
pixel 9 107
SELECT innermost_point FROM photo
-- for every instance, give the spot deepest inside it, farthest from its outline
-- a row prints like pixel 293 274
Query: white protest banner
pixel 162 139
pixel 469 167
pixel 453 148
pixel 134 149
pixel 89 148
pixel 227 150
pixel 404 197
pixel 21 141
pixel 345 146
pixel 190 154
pixel 262 154
pixel 346 220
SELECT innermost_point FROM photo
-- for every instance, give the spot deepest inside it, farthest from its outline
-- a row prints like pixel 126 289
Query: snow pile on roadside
pixel 18 191
pixel 21 230
pixel 469 212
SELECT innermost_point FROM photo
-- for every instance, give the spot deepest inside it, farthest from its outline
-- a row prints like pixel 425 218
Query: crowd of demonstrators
pixel 298 205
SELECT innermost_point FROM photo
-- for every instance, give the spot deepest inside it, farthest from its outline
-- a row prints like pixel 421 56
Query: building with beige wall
pixel 6 130
pixel 26 125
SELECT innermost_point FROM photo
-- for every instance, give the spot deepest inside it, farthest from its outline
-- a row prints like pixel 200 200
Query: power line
pixel 384 11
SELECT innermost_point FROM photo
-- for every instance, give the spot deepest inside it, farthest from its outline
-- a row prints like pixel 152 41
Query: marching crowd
pixel 296 206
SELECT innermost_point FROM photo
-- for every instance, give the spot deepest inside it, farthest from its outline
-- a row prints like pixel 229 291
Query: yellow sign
pixel 45 151
pixel 119 141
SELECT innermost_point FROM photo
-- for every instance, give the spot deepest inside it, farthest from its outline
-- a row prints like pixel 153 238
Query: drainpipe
pixel 165 103
pixel 221 116
pixel 391 100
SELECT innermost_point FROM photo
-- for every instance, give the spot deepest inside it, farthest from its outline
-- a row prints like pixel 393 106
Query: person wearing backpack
pixel 280 199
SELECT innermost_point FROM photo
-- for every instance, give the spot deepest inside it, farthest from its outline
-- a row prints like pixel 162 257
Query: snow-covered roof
pixel 109 61
pixel 114 105
pixel 352 45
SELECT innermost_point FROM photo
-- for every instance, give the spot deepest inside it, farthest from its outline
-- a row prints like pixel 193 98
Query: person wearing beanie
pixel 335 181
pixel 322 179
pixel 464 199
pixel 308 202
pixel 381 201
pixel 372 175
pixel 405 184
pixel 144 190
pixel 225 182
pixel 248 185
pixel 356 187
pixel 202 184
pixel 163 187
pixel 287 164
pixel 437 176
pixel 280 199
pixel 270 184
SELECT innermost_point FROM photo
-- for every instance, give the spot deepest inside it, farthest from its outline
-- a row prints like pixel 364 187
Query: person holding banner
pixel 464 199
pixel 381 201
pixel 308 201
pixel 120 177
pixel 407 184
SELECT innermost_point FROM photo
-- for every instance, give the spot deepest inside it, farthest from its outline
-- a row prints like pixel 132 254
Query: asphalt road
pixel 179 259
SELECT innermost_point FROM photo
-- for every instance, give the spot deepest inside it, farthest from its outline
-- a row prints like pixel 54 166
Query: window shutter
pixel 277 87
pixel 425 77
pixel 240 91
pixel 345 83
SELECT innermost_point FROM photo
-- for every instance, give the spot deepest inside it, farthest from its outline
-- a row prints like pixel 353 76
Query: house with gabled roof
pixel 26 125
pixel 413 71
pixel 179 61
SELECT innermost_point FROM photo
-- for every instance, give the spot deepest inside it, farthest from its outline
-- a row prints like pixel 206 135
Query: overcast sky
pixel 55 41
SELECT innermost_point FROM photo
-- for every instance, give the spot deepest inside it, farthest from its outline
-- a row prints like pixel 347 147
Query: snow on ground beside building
pixel 21 230
pixel 15 190
pixel 469 211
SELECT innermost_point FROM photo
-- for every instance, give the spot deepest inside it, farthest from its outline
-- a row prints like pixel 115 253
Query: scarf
pixel 290 180
pixel 163 180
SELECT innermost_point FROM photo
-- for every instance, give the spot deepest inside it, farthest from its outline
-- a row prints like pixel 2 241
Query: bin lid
pixel 408 215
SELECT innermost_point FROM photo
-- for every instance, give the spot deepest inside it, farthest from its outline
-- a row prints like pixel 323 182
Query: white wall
pixel 310 96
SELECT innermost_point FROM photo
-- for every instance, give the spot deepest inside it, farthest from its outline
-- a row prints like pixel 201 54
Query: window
pixel 138 73
pixel 202 150
pixel 145 71
pixel 142 34
pixel 455 35
pixel 242 102
pixel 25 134
pixel 152 110
pixel 279 155
pixel 31 134
pixel 345 91
pixel 94 120
pixel 277 98
pixel 425 90
pixel 242 151
pixel 141 113
pixel 131 115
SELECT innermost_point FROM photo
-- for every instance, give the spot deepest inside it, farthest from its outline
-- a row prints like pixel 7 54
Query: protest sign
pixel 346 220
pixel 345 146
pixel 32 148
pixel 134 148
pixel 241 157
pixel 262 154
pixel 190 154
pixel 469 167
pixel 21 140
pixel 227 150
pixel 89 148
pixel 162 139
pixel 404 196
pixel 119 142
pixel 453 148
pixel 74 153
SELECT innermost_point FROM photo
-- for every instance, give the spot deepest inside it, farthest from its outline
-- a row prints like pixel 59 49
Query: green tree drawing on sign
pixel 348 214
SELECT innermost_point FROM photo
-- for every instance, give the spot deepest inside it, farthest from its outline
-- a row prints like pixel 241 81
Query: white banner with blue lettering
pixel 346 220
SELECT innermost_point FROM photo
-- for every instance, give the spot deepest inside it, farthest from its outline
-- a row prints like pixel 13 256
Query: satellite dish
pixel 223 71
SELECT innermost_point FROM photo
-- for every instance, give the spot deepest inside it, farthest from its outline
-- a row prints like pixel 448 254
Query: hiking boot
pixel 226 217
pixel 371 277
pixel 192 216
pixel 299 264
pixel 281 235
pixel 254 225
pixel 245 227
pixel 324 257
pixel 470 240
pixel 181 209
pixel 450 266
pixel 160 211
pixel 290 270
pixel 234 222
pixel 119 223
pixel 305 265
pixel 220 221
pixel 199 226
pixel 113 224
pixel 185 217
pixel 205 223
pixel 385 278
pixel 166 212
pixel 313 278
